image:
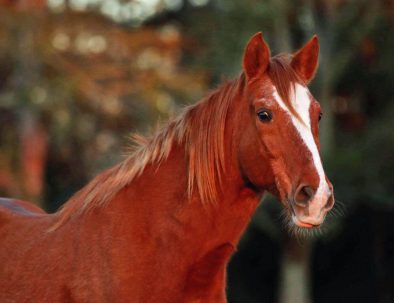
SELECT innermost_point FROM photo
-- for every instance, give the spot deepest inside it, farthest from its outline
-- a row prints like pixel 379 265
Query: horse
pixel 162 225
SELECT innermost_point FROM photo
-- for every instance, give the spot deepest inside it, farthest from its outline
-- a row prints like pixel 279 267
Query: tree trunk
pixel 295 272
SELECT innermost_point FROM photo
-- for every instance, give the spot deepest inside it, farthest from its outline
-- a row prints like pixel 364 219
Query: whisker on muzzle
pixel 340 206
pixel 300 233
pixel 338 211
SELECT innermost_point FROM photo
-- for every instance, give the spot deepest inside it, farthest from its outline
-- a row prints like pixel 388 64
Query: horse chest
pixel 206 278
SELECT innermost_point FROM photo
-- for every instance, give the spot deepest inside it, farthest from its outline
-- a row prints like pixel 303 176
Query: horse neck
pixel 156 221
pixel 158 205
pixel 157 202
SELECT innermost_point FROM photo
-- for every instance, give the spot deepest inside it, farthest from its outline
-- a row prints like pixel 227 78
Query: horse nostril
pixel 308 191
pixel 303 195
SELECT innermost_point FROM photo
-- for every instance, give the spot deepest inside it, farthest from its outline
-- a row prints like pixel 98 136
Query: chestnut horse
pixel 162 225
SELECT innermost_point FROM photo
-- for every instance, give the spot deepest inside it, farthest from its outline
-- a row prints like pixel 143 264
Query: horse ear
pixel 256 56
pixel 305 61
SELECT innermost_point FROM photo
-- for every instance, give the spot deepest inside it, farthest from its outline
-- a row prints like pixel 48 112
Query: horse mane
pixel 199 128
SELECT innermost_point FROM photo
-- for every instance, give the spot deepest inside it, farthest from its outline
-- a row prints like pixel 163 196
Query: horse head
pixel 279 149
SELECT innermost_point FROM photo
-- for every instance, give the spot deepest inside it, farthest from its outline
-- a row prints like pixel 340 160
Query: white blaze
pixel 301 103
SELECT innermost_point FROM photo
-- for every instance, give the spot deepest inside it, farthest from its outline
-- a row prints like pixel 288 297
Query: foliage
pixel 86 83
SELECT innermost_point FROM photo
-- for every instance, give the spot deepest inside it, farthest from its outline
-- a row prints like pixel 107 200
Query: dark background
pixel 77 77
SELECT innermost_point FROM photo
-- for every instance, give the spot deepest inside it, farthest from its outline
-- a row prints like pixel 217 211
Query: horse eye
pixel 320 116
pixel 264 116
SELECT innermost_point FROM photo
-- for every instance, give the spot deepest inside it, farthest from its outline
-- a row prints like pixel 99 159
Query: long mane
pixel 199 128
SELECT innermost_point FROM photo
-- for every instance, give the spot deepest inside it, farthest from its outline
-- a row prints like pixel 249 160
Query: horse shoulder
pixel 207 277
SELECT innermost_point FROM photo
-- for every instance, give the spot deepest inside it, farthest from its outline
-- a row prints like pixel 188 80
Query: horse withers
pixel 162 225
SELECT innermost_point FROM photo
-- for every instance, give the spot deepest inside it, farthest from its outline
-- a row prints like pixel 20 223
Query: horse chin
pixel 305 223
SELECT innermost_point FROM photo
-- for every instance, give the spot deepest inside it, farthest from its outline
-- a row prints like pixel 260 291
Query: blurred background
pixel 77 77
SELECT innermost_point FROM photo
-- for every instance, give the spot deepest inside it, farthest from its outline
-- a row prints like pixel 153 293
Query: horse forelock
pixel 199 128
pixel 284 78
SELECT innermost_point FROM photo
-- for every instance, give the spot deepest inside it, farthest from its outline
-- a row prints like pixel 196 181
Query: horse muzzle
pixel 309 209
